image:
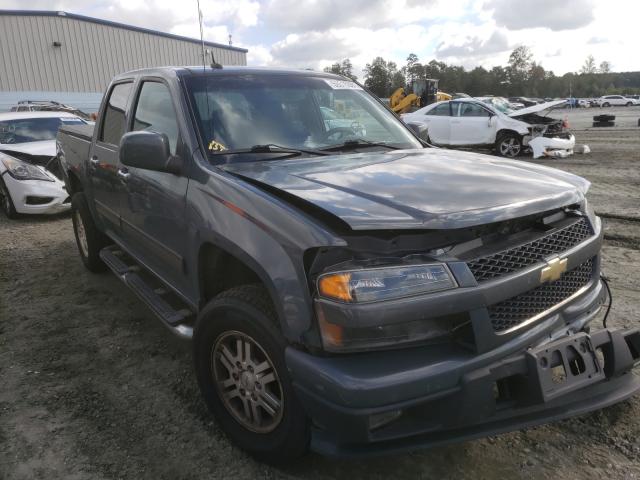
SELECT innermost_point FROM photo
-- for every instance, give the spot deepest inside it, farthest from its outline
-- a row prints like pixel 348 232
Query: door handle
pixel 123 174
pixel 94 161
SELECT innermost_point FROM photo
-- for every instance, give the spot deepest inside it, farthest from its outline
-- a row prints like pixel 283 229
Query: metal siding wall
pixel 90 55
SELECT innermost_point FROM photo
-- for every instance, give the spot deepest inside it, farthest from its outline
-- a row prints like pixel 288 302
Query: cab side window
pixel 155 112
pixel 113 122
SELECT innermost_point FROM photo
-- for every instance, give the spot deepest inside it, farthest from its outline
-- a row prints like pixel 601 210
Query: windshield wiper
pixel 354 144
pixel 272 148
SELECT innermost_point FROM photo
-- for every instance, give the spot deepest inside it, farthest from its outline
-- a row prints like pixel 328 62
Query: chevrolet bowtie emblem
pixel 554 269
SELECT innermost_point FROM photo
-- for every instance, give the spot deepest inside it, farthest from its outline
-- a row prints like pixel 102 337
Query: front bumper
pixel 552 146
pixel 37 196
pixel 460 399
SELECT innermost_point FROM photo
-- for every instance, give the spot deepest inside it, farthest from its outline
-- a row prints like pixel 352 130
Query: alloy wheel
pixel 82 235
pixel 247 382
pixel 510 147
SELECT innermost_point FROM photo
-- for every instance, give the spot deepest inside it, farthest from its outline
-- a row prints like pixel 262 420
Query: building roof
pixel 75 16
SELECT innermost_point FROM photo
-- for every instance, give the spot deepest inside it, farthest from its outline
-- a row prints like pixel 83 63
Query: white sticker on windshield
pixel 342 85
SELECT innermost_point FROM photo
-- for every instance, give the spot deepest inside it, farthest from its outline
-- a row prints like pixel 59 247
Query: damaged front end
pixel 548 137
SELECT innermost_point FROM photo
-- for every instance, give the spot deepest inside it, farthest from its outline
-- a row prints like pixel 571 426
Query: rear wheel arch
pixel 73 183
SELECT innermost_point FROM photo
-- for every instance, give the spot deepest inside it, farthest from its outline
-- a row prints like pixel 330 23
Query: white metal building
pixel 69 58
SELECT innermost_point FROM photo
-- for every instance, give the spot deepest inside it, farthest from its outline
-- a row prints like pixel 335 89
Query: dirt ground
pixel 93 387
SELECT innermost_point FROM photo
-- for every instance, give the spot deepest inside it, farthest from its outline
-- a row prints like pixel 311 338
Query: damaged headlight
pixel 385 283
pixel 23 171
pixel 379 284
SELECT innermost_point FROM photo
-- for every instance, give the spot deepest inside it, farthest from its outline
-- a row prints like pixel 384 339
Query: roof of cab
pixel 225 70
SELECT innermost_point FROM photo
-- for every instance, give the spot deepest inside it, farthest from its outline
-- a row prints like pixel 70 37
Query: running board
pixel 177 320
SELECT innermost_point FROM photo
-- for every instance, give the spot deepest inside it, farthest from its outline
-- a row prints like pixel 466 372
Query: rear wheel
pixel 239 359
pixel 89 239
pixel 509 145
pixel 8 207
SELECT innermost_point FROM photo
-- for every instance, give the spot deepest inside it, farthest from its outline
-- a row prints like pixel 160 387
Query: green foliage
pixel 522 76
pixel 345 68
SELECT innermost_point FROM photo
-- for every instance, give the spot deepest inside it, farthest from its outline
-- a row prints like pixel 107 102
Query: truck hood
pixel 417 189
pixel 43 148
pixel 541 107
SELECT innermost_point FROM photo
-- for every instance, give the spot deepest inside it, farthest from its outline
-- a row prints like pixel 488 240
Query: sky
pixel 315 33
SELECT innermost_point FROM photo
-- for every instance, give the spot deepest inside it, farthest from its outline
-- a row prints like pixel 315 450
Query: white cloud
pixel 552 14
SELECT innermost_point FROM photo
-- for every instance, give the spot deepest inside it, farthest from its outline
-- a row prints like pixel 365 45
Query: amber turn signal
pixel 336 286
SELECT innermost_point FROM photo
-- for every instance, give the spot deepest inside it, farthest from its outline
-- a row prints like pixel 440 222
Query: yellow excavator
pixel 402 103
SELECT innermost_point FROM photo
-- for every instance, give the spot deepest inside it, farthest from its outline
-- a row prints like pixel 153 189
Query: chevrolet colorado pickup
pixel 345 288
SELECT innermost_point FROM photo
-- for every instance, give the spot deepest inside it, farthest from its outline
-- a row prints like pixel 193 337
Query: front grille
pixel 517 258
pixel 518 309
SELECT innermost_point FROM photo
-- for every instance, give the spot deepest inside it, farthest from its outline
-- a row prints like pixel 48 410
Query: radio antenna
pixel 204 61
pixel 204 76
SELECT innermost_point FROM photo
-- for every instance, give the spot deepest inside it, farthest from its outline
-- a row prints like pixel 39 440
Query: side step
pixel 178 320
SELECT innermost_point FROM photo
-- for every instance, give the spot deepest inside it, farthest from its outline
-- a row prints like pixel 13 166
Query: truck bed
pixel 84 132
pixel 74 143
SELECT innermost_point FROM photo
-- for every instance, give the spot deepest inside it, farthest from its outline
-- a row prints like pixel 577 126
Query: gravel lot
pixel 93 387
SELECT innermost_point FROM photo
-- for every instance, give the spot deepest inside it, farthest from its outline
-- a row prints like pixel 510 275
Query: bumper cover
pixel 513 392
pixel 54 192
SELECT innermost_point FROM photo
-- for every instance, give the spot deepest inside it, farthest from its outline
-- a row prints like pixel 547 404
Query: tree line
pixel 522 76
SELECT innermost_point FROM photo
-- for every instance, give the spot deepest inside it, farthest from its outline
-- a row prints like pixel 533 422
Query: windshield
pixel 27 130
pixel 236 112
pixel 499 103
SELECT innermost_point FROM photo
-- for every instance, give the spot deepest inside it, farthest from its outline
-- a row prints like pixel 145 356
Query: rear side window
pixel 155 113
pixel 113 123
pixel 441 110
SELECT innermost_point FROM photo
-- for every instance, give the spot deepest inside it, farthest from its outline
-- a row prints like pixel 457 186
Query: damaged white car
pixel 471 123
pixel 30 179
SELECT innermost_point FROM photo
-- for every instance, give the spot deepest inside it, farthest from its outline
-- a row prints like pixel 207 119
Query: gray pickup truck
pixel 346 288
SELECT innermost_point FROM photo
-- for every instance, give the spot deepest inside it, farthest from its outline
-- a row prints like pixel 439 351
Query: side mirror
pixel 420 131
pixel 150 151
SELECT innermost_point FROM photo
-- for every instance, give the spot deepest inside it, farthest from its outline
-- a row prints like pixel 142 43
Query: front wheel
pixel 89 239
pixel 8 207
pixel 509 145
pixel 606 104
pixel 629 104
pixel 240 365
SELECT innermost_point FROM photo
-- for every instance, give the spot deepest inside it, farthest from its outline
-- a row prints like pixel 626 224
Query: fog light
pixel 381 419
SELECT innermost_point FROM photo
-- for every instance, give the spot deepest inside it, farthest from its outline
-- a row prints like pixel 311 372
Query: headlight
pixel 378 284
pixel 358 286
pixel 23 171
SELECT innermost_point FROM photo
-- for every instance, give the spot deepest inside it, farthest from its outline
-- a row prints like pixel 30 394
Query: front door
pixel 107 188
pixel 471 124
pixel 153 216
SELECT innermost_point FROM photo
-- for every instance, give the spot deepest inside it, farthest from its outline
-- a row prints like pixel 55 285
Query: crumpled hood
pixel 541 107
pixel 427 188
pixel 43 148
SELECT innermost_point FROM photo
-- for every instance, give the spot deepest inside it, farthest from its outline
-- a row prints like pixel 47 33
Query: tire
pixel 89 239
pixel 628 104
pixel 247 313
pixel 606 104
pixel 8 207
pixel 509 145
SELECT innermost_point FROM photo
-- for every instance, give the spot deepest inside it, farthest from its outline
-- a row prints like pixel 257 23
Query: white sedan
pixel 30 181
pixel 616 101
pixel 469 122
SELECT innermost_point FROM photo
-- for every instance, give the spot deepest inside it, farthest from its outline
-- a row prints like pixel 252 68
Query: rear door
pixel 438 121
pixel 471 124
pixel 107 188
pixel 153 216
